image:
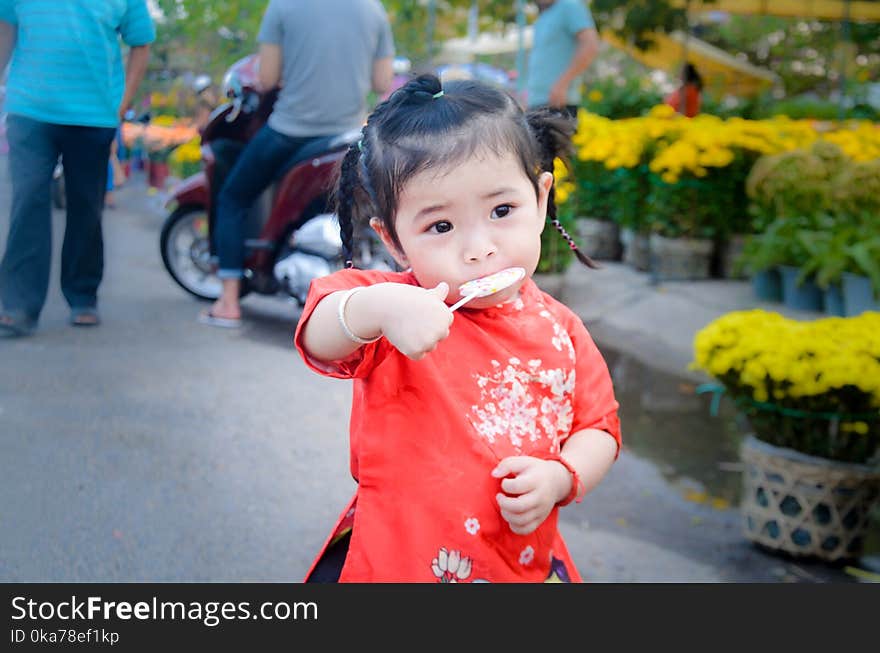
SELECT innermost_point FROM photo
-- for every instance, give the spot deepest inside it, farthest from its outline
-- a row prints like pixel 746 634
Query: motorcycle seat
pixel 321 146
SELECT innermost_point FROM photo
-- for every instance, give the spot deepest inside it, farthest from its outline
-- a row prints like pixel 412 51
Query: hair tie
pixel 424 96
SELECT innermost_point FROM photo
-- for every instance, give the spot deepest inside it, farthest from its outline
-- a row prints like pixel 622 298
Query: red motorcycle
pixel 291 236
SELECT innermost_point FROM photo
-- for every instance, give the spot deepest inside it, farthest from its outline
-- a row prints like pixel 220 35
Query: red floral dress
pixel 514 379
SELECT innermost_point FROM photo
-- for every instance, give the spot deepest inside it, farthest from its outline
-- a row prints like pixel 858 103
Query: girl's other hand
pixel 532 490
pixel 415 320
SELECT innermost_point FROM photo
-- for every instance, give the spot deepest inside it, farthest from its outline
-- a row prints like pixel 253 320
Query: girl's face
pixel 469 220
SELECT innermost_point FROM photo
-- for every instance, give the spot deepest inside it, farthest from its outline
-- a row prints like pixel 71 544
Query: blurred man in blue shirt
pixel 65 96
pixel 564 45
pixel 326 56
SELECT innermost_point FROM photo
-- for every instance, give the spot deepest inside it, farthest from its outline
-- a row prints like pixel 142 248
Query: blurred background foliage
pixel 826 68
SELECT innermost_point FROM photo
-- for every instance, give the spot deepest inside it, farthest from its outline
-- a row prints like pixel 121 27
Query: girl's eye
pixel 441 227
pixel 501 211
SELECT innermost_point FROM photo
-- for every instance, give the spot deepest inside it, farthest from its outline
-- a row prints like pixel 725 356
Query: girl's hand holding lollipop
pixel 428 319
pixel 415 320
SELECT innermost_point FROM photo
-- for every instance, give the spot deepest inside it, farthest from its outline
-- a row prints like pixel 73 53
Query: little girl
pixel 468 429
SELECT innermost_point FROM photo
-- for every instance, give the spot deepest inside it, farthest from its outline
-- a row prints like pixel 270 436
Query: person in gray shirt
pixel 325 55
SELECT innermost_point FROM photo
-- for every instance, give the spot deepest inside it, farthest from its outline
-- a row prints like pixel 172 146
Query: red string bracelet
pixel 578 489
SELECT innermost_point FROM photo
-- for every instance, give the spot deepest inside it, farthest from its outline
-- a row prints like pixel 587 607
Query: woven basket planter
pixel 803 505
pixel 636 249
pixel 599 239
pixel 729 252
pixel 680 259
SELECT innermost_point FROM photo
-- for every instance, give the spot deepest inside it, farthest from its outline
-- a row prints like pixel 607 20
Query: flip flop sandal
pixel 84 317
pixel 206 317
pixel 11 327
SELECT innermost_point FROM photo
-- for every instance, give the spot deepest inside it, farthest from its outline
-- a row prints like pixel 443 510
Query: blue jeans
pixel 256 168
pixel 34 148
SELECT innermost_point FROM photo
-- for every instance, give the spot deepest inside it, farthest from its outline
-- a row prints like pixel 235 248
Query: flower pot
pixel 157 174
pixel 833 300
pixel 858 296
pixel 767 285
pixel 680 259
pixel 730 252
pixel 599 239
pixel 804 505
pixel 804 297
pixel 636 249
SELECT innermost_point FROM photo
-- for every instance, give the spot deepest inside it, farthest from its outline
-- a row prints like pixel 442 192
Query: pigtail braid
pixel 553 133
pixel 353 195
pixel 345 201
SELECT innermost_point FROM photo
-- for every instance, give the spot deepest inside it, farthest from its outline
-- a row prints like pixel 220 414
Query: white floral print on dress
pixel 451 566
pixel 527 555
pixel 560 338
pixel 472 525
pixel 525 403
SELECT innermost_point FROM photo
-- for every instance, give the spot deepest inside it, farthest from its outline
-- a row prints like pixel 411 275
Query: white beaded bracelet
pixel 343 301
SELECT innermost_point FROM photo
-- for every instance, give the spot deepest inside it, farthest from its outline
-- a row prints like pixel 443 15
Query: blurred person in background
pixel 65 96
pixel 326 55
pixel 691 90
pixel 115 173
pixel 564 45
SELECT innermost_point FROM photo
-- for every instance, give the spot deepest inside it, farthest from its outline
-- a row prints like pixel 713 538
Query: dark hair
pixel 425 125
pixel 691 76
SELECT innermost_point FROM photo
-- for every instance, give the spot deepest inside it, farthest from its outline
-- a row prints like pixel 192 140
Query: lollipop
pixel 488 285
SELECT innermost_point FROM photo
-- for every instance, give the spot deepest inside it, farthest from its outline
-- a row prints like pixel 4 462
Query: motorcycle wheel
pixel 186 253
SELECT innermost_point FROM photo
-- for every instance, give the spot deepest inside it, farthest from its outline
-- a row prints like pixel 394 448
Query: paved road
pixel 157 449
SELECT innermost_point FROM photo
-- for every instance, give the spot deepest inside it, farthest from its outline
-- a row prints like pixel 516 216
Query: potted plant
pixel 585 194
pixel 810 396
pixel 736 225
pixel 695 195
pixel 556 256
pixel 159 139
pixel 845 254
pixel 791 183
pixel 683 227
pixel 606 151
pixel 789 193
pixel 856 192
pixel 777 248
pixel 861 283
pixel 186 160
pixel 828 256
pixel 598 234
pixel 591 202
pixel 628 212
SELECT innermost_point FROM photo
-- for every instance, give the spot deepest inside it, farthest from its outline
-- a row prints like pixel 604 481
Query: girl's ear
pixel 545 183
pixel 379 227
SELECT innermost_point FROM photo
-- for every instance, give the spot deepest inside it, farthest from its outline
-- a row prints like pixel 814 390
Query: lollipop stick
pixel 464 300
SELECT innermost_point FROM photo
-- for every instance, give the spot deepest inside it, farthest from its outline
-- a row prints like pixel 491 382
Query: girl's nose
pixel 479 248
